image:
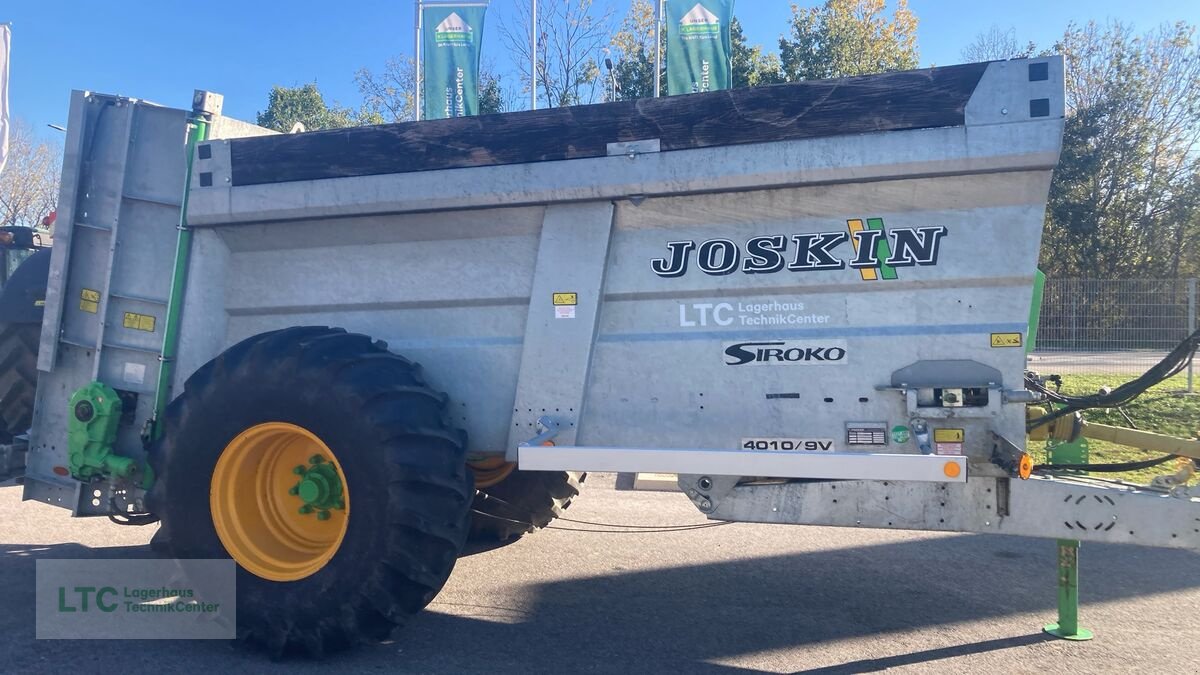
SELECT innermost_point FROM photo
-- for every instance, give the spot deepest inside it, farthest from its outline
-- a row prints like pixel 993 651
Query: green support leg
pixel 1067 627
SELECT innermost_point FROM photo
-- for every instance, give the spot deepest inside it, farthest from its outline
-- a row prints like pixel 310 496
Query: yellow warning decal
pixel 566 298
pixel 1006 339
pixel 89 300
pixel 947 435
pixel 39 303
pixel 139 322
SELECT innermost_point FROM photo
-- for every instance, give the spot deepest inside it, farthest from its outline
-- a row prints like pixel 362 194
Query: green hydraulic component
pixel 1035 311
pixel 197 132
pixel 320 488
pixel 1063 452
pixel 95 413
pixel 1067 626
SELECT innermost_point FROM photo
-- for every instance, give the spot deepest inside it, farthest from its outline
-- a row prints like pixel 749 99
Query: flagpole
pixel 417 78
pixel 533 58
pixel 658 20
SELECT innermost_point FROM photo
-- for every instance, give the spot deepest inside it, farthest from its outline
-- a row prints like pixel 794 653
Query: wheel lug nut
pixel 306 509
pixel 299 471
pixel 322 515
pixel 294 490
pixel 316 459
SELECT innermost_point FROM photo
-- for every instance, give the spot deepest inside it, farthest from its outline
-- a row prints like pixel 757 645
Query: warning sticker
pixel 89 300
pixel 948 441
pixel 564 312
pixel 566 299
pixel 948 435
pixel 1006 340
pixel 139 322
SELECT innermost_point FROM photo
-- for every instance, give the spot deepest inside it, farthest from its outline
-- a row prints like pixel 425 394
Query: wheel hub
pixel 320 488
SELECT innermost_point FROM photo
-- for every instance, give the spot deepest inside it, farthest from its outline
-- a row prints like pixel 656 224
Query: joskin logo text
pixel 871 249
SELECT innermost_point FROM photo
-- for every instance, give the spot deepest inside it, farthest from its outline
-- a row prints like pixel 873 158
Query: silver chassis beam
pixel 532 456
pixel 1063 508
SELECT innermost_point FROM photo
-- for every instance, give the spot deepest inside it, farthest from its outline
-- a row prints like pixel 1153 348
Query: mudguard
pixel 24 296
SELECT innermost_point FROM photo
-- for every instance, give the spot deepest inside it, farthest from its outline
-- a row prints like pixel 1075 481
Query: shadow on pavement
pixel 928 655
pixel 688 618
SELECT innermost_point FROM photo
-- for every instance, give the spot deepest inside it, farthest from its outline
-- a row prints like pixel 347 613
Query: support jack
pixel 1067 627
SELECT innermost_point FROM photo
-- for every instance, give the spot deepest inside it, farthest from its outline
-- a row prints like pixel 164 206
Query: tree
pixel 634 53
pixel 493 96
pixel 29 181
pixel 389 95
pixel 288 105
pixel 848 37
pixel 1123 201
pixel 751 66
pixel 569 37
pixel 997 45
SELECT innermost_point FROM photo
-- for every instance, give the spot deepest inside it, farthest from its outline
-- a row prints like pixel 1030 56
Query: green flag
pixel 698 46
pixel 450 46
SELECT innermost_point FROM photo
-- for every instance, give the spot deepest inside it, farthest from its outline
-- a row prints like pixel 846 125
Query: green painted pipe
pixel 197 132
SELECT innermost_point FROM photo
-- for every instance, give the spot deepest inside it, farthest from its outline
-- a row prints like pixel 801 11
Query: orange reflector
pixel 951 469
pixel 1025 466
pixel 548 444
pixel 61 471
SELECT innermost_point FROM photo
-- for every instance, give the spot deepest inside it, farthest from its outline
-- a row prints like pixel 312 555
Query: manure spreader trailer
pixel 810 301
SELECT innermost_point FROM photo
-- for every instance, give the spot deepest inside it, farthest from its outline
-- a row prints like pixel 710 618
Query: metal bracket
pixel 706 491
pixel 12 457
pixel 1006 454
pixel 633 148
pixel 547 428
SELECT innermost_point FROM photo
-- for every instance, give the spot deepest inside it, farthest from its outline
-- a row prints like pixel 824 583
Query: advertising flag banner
pixel 450 51
pixel 699 49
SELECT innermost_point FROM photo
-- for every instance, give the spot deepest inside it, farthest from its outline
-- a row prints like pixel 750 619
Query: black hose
pixel 1106 468
pixel 1172 364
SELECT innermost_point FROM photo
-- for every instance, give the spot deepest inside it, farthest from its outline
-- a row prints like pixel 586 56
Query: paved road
pixel 735 598
pixel 1128 362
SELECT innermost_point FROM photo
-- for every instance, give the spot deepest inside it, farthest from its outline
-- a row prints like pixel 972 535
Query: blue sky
pixel 161 50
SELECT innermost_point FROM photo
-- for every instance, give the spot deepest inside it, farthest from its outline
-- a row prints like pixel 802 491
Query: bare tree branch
pixel 571 36
pixel 29 182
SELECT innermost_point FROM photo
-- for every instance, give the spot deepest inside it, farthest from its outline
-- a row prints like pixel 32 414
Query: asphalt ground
pixel 1123 362
pixel 733 598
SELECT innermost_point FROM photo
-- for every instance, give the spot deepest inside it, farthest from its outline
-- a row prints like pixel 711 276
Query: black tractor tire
pixel 404 470
pixel 522 503
pixel 18 377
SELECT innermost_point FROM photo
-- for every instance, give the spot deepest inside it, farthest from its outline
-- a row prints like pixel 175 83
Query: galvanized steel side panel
pixel 110 274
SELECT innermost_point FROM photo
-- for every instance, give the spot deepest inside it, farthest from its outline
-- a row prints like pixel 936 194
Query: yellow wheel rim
pixel 275 498
pixel 490 471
